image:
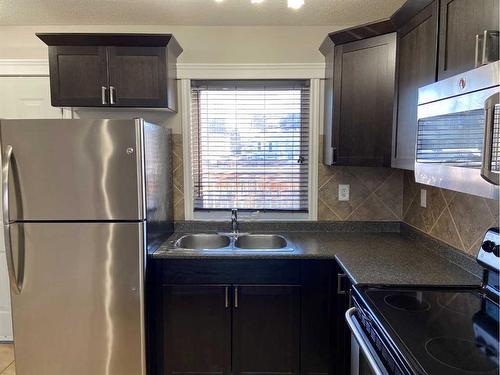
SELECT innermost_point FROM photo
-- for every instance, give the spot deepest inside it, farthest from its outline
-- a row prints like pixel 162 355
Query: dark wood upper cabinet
pixel 147 66
pixel 78 76
pixel 460 22
pixel 196 330
pixel 416 67
pixel 363 95
pixel 266 329
pixel 113 70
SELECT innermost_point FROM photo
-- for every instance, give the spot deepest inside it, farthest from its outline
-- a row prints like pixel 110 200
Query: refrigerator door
pixel 79 310
pixel 62 170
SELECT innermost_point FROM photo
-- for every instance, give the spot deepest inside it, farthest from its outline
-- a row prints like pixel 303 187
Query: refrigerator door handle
pixel 14 283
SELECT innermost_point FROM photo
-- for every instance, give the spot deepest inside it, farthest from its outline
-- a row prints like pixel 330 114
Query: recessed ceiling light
pixel 219 1
pixel 257 1
pixel 295 4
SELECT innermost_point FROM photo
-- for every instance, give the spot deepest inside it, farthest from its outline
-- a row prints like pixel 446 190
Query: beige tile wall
pixel 376 194
pixel 456 218
pixel 178 171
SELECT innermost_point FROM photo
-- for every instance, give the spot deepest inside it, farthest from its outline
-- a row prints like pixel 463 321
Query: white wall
pixel 207 44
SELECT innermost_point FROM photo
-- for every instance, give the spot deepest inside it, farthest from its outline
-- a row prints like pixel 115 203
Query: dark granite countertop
pixel 368 258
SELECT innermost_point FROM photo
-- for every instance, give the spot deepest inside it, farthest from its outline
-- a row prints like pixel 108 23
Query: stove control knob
pixel 488 246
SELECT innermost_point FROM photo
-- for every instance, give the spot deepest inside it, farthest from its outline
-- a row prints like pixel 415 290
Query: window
pixel 250 145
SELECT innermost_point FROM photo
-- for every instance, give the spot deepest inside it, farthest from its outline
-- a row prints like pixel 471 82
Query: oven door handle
pixel 364 343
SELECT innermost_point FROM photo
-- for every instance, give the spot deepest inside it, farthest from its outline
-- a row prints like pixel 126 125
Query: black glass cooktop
pixel 446 332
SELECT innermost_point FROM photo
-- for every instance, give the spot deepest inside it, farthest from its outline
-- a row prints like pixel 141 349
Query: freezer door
pixel 79 310
pixel 61 170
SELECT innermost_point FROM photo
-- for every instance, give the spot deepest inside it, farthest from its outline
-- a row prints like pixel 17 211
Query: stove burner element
pixel 461 354
pixel 406 302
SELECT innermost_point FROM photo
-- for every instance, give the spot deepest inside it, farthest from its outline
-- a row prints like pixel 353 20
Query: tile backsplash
pixel 376 194
pixel 178 171
pixel 455 218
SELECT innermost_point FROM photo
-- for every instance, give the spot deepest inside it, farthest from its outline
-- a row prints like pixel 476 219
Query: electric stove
pixel 431 330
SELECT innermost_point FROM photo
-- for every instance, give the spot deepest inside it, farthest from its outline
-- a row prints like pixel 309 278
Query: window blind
pixel 250 145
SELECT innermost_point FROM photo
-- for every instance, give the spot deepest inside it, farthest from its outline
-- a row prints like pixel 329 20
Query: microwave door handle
pixel 490 45
pixel 7 157
pixel 363 343
pixel 489 117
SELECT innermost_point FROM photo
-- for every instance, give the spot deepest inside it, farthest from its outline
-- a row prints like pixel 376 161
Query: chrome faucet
pixel 235 226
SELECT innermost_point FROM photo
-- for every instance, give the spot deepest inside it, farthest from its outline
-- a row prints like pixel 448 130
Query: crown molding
pixel 24 67
pixel 251 71
pixel 40 67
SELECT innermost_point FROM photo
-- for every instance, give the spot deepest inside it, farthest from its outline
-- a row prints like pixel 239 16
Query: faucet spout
pixel 235 226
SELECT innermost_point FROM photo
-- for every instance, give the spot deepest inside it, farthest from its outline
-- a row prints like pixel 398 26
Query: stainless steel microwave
pixel 458 133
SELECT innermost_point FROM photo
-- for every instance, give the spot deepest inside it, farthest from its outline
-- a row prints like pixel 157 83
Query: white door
pixel 26 97
pixel 20 98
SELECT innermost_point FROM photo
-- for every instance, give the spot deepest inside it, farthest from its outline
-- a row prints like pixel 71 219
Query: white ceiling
pixel 193 12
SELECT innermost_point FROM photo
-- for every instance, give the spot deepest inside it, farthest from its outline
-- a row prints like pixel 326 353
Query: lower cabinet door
pixel 197 329
pixel 266 329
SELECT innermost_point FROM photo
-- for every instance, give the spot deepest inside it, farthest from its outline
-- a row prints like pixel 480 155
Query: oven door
pixel 364 358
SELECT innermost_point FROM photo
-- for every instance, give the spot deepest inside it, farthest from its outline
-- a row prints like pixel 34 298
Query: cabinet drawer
pixel 227 271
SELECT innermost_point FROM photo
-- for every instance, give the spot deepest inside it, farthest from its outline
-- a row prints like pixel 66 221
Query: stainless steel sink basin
pixel 260 242
pixel 233 242
pixel 203 241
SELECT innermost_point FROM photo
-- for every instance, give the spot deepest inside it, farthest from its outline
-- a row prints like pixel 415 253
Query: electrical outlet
pixel 343 192
pixel 423 198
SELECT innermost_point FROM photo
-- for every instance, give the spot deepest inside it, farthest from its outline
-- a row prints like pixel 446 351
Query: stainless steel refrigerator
pixel 83 203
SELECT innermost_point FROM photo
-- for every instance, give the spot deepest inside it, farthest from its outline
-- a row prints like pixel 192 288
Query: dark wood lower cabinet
pixel 196 330
pixel 241 317
pixel 315 331
pixel 266 329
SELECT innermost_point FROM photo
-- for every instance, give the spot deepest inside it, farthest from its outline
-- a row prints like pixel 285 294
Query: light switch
pixel 423 198
pixel 343 192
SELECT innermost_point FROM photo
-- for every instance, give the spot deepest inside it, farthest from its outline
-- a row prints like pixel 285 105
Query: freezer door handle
pixel 15 282
pixel 5 183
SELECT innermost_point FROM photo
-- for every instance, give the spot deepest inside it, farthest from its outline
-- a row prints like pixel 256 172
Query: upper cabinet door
pixel 417 52
pixel 460 22
pixel 364 79
pixel 78 76
pixel 137 76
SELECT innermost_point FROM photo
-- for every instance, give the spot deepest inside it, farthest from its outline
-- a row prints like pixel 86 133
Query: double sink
pixel 233 242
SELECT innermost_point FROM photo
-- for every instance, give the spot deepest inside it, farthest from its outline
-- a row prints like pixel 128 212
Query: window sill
pixel 251 216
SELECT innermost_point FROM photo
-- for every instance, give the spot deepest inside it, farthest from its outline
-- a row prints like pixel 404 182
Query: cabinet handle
pixel 226 303
pixel 103 95
pixel 479 50
pixel 236 297
pixel 339 283
pixel 112 91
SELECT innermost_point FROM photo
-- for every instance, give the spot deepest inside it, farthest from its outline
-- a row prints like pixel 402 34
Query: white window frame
pixel 316 115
